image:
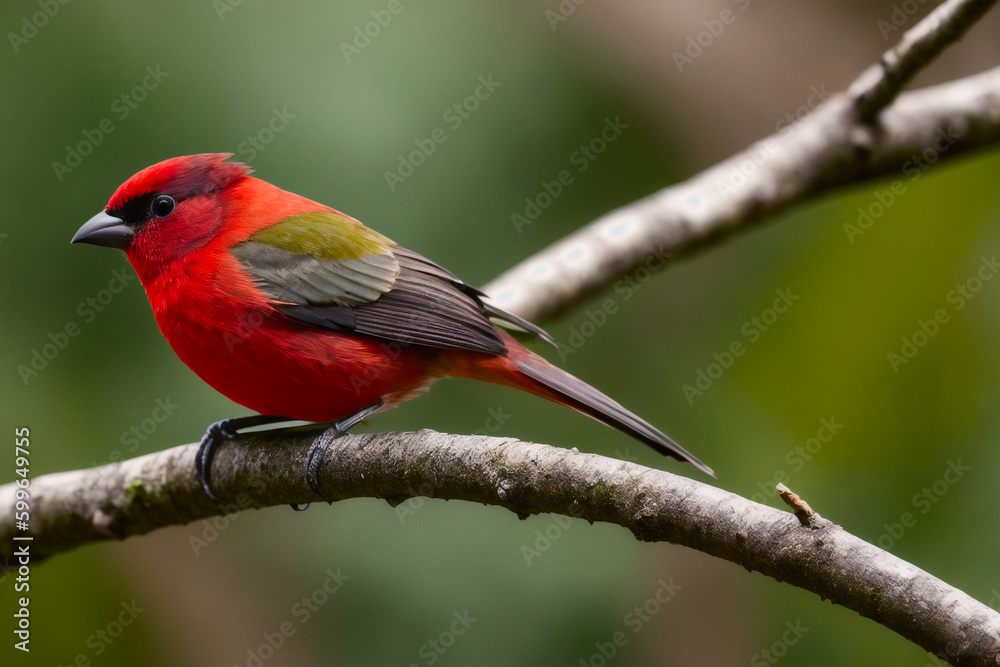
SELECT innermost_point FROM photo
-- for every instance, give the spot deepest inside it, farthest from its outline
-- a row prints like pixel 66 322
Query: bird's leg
pixel 227 429
pixel 340 427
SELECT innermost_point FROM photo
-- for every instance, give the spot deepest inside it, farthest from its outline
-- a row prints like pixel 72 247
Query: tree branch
pixel 161 489
pixel 879 84
pixel 836 145
pixel 869 131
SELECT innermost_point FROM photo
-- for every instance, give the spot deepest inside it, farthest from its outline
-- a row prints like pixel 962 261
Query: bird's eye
pixel 162 206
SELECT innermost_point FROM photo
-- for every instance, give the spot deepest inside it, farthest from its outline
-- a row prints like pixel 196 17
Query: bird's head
pixel 167 210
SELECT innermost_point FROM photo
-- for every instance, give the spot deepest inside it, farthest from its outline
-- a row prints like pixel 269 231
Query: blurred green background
pixel 226 68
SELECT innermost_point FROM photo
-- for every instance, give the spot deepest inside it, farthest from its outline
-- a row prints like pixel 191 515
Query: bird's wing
pixel 330 271
pixel 319 259
pixel 417 262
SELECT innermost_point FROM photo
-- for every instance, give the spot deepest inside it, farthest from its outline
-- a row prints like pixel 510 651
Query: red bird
pixel 300 312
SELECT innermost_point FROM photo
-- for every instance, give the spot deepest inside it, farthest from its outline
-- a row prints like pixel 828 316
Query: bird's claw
pixel 216 434
pixel 337 429
pixel 314 459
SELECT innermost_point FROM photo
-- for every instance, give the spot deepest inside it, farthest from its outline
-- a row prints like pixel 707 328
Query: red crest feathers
pixel 181 178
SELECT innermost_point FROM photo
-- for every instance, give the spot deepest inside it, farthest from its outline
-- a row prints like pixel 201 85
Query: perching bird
pixel 300 312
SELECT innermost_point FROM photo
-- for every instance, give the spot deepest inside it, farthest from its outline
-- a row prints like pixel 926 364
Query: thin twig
pixel 801 508
pixel 829 148
pixel 879 84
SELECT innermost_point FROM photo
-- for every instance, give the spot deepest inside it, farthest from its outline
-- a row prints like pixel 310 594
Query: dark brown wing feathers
pixel 427 305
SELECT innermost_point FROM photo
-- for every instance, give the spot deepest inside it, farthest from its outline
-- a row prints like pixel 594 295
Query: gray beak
pixel 104 230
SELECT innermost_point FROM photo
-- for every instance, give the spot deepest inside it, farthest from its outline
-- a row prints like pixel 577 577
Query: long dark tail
pixel 525 370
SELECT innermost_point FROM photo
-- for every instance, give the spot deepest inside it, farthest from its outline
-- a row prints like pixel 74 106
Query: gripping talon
pixel 214 436
pixel 228 429
pixel 313 462
pixel 314 459
pixel 217 433
pixel 339 428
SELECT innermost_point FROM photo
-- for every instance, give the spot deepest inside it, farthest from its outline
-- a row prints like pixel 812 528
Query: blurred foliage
pixel 225 70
